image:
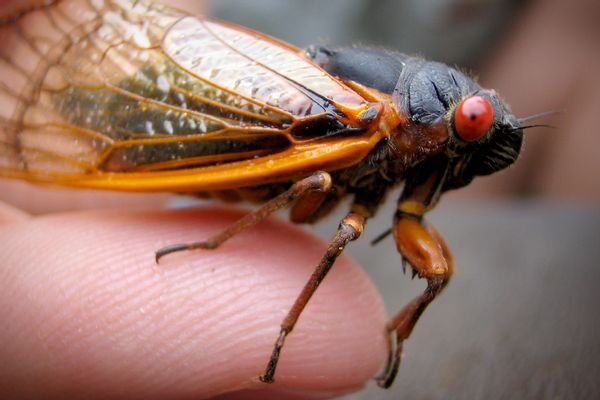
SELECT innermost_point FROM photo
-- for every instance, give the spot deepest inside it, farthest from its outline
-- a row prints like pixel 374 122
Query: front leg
pixel 427 253
pixel 425 250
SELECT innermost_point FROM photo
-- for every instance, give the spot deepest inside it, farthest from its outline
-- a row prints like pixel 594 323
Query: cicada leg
pixel 349 229
pixel 426 251
pixel 317 182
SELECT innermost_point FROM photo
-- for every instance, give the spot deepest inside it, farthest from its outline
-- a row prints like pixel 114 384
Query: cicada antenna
pixel 539 116
pixel 535 117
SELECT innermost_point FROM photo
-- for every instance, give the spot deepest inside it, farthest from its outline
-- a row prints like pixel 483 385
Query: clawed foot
pixel 392 365
pixel 175 248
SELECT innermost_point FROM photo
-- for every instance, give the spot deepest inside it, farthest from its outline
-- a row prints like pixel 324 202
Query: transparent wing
pixel 108 91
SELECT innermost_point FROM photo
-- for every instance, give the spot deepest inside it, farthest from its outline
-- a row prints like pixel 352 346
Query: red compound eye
pixel 473 118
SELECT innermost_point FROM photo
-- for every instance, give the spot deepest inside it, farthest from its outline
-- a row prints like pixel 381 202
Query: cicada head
pixel 485 137
pixel 480 133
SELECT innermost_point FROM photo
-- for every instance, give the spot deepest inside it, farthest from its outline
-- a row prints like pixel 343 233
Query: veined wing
pixel 126 95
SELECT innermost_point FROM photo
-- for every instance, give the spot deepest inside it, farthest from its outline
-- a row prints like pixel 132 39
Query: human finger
pixel 90 314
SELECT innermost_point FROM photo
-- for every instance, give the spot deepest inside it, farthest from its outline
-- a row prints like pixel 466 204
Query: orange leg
pixel 427 253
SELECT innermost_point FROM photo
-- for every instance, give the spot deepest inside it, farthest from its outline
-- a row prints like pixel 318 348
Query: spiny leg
pixel 349 229
pixel 426 251
pixel 319 181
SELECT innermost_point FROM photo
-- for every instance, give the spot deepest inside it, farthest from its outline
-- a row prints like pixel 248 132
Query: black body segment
pixel 373 68
pixel 426 90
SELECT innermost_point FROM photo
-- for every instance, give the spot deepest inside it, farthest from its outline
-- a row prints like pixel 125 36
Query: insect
pixel 132 96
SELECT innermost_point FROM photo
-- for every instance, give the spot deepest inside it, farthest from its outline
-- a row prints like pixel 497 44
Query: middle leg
pixel 349 229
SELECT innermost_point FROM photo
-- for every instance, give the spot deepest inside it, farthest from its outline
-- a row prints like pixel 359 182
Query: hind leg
pixel 317 182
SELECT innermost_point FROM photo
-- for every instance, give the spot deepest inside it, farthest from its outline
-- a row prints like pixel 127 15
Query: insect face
pixel 485 137
pixel 471 127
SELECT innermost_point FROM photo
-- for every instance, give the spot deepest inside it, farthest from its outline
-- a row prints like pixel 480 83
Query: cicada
pixel 131 96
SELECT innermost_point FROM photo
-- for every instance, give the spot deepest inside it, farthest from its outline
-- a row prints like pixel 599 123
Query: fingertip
pixel 111 322
pixel 10 214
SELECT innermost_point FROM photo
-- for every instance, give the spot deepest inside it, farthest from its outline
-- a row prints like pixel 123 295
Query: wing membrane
pixel 96 92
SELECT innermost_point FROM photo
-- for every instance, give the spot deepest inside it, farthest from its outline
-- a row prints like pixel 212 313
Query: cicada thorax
pixel 433 126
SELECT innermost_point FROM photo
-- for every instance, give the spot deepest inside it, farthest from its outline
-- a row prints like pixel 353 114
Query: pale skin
pixel 87 312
